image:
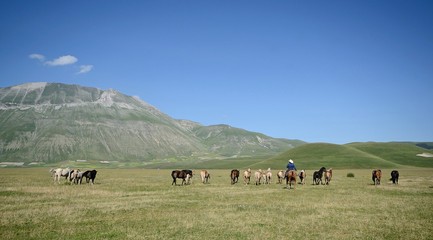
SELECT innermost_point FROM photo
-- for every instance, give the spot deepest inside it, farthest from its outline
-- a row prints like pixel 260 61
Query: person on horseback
pixel 291 166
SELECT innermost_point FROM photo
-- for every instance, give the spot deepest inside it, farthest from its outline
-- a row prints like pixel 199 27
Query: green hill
pixel 354 155
pixel 399 153
pixel 316 155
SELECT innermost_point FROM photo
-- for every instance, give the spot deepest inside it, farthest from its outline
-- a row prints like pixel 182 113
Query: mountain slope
pixel 51 122
pixel 240 142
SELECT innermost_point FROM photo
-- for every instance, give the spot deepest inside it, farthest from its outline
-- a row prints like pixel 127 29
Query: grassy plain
pixel 142 204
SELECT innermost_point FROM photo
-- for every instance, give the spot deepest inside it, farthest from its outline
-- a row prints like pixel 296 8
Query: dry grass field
pixel 142 204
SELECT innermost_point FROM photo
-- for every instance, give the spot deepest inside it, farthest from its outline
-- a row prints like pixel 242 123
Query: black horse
pixel 90 176
pixel 317 176
pixel 394 176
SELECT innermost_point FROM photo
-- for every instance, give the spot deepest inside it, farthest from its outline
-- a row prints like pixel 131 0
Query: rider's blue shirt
pixel 291 166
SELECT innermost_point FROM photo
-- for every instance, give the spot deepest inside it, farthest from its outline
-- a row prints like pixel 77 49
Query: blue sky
pixel 319 71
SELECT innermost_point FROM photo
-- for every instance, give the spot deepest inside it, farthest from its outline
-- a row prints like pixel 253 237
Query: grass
pixel 142 204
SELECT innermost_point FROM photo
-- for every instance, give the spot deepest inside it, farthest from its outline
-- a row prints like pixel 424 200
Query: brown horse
pixel 376 175
pixel 328 176
pixel 234 176
pixel 290 177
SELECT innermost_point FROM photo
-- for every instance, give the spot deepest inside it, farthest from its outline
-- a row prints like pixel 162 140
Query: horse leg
pixel 57 176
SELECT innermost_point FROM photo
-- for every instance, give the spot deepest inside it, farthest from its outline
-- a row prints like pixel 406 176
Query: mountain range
pixel 52 122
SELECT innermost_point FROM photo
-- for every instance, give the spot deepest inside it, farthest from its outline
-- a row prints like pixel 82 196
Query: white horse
pixel 247 176
pixel 268 176
pixel 259 176
pixel 60 172
pixel 280 175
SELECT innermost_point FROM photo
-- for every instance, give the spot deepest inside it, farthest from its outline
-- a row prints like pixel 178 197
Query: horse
pixel 280 176
pixel 258 175
pixel 394 176
pixel 268 176
pixel 188 179
pixel 52 172
pixel 73 176
pixel 234 176
pixel 302 175
pixel 180 174
pixel 317 176
pixel 204 174
pixel 376 175
pixel 247 176
pixel 328 176
pixel 60 172
pixel 90 176
pixel 79 177
pixel 290 177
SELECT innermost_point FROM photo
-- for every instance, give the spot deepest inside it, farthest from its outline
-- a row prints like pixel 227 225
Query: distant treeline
pixel 425 145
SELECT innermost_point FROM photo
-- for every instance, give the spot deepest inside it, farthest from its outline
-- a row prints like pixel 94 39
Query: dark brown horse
pixel 376 175
pixel 180 174
pixel 290 177
pixel 234 176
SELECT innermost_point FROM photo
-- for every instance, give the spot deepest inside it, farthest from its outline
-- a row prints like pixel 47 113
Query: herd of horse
pixel 264 177
pixel 261 177
pixel 73 175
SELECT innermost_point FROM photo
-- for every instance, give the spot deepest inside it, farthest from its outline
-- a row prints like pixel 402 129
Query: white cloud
pixel 85 69
pixel 63 60
pixel 37 56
